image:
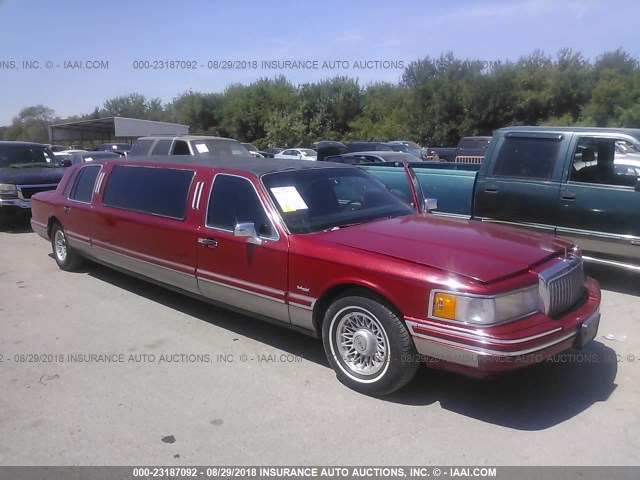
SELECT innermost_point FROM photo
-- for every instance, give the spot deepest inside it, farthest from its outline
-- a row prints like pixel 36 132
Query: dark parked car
pixel 25 168
pixel 408 146
pixel 326 148
pixel 356 158
pixel 253 150
pixel 270 152
pixel 120 148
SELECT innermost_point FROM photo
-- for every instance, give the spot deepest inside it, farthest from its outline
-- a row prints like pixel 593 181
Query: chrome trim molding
pixel 185 281
pixel 197 195
pixel 244 299
pixel 482 338
pixel 233 287
pixel 99 183
pixel 557 298
pixel 612 263
pixel 609 236
pixel 535 226
pixel 241 282
pixel 302 298
pixel 156 261
pixel 78 237
pixel 450 351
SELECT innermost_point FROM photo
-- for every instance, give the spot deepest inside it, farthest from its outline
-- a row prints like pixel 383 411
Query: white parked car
pixel 298 153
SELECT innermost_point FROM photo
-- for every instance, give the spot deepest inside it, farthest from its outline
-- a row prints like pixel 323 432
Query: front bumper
pixel 15 203
pixel 482 352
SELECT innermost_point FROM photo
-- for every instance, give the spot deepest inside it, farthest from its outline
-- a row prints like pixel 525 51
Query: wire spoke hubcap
pixel 361 343
pixel 61 245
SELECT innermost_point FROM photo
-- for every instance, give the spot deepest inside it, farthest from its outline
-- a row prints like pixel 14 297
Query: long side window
pixel 233 201
pixel 527 158
pixel 157 191
pixel 82 189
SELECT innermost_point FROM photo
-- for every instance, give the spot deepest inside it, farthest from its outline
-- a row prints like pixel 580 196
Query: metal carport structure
pixel 107 130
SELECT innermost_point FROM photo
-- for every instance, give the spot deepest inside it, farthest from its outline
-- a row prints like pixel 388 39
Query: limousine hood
pixel 474 249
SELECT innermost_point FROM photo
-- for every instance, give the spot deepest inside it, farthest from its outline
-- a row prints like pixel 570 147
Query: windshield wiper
pixel 342 225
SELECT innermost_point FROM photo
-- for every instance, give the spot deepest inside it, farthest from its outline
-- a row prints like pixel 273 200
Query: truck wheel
pixel 66 257
pixel 368 346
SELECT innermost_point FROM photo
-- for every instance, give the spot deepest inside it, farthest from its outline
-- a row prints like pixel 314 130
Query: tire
pixel 368 346
pixel 66 257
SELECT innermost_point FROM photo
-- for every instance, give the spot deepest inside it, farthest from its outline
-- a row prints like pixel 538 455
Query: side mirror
pixel 65 162
pixel 248 230
pixel 430 204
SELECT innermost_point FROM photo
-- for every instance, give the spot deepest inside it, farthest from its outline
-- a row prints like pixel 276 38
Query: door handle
pixel 208 242
pixel 66 209
pixel 569 196
pixel 491 189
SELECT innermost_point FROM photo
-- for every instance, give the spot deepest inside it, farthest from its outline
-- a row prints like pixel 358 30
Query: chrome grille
pixel 562 285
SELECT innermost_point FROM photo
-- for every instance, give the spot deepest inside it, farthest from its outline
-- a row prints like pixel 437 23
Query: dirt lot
pixel 102 369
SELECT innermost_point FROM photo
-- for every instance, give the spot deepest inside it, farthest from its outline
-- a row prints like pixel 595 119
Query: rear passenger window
pixel 162 147
pixel 180 148
pixel 83 187
pixel 527 157
pixel 158 191
pixel 141 148
pixel 234 200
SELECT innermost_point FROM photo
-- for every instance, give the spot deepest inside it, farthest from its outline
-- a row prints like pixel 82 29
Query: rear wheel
pixel 368 346
pixel 66 257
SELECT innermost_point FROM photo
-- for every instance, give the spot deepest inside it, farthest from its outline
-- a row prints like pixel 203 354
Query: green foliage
pixel 437 101
pixel 31 124
pixel 134 105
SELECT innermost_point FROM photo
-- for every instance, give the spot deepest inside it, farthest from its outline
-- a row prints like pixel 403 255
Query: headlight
pixel 8 189
pixel 484 310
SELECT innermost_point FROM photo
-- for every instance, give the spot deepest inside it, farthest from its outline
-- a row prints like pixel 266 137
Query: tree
pixel 31 124
pixel 134 105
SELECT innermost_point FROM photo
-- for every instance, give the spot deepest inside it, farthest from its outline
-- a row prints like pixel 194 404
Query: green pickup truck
pixel 568 181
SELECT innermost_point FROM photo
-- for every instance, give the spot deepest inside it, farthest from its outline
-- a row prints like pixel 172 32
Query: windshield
pixel 627 147
pixel 220 148
pixel 314 200
pixel 27 156
pixel 251 147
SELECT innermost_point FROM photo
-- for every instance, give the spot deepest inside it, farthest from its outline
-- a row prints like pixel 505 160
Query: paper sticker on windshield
pixel 289 199
pixel 202 148
pixel 88 159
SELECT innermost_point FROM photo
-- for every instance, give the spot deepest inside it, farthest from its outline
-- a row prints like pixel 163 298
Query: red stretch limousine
pixel 327 249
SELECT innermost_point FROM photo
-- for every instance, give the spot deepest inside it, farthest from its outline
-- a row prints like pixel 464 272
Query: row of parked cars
pixel 333 151
pixel 348 152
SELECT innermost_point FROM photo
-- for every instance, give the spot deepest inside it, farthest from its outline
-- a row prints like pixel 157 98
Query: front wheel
pixel 368 346
pixel 66 257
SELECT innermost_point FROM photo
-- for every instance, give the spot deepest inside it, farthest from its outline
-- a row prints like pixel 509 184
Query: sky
pixel 43 43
